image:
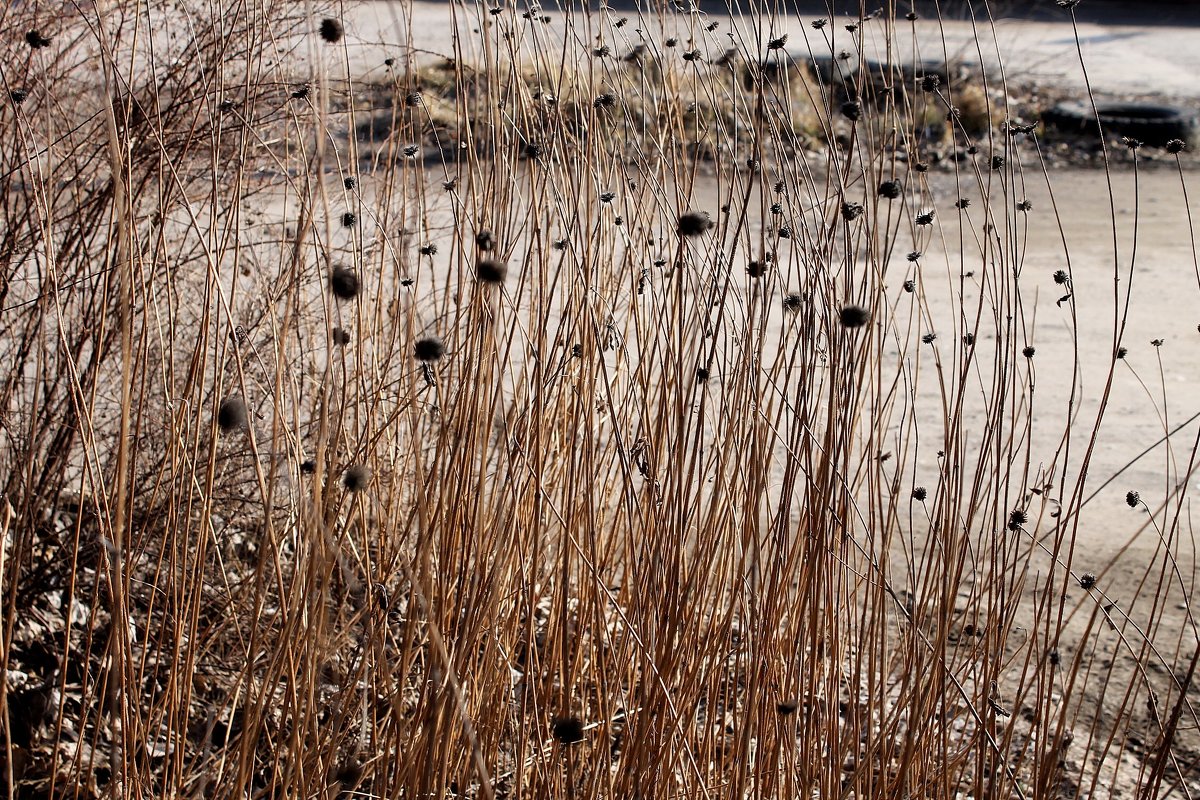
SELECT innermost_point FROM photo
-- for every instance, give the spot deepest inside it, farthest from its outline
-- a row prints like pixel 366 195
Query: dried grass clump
pixel 716 493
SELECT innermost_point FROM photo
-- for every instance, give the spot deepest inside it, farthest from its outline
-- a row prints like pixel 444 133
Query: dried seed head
pixel 349 219
pixel 332 30
pixel 852 110
pixel 818 24
pixel 914 256
pixel 491 271
pixel 302 93
pixel 777 43
pixel 1016 519
pixel 925 218
pixel 605 100
pixel 997 162
pixel 792 302
pixel 1025 205
pixel 910 285
pixel 1131 143
pixel 350 182
pixel 428 348
pixel 1060 276
pixel 1122 352
pixel 1176 146
pixel 694 223
pixel 851 211
pixel 18 96
pixel 567 730
pixel 701 375
pixel 1028 351
pixel 968 339
pixel 36 40
pixel 485 241
pixel 930 83
pixel 429 249
pixel 962 203
pixel 756 268
pixel 356 478
pixel 1087 580
pixel 412 99
pixel 889 189
pixel 928 338
pixel 231 414
pixel 341 337
pixel 853 316
pixel 919 494
pixel 607 197
pixel 308 467
pixel 1132 499
pixel 344 283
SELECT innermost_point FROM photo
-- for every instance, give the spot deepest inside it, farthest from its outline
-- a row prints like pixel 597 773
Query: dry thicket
pixel 565 419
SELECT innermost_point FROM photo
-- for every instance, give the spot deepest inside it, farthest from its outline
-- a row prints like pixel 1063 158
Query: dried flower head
pixel 852 110
pixel 428 349
pixel 231 414
pixel 851 211
pixel 1131 143
pixel 429 249
pixel 350 183
pixel 308 466
pixel 356 478
pixel 1028 351
pixel 997 162
pixel 485 241
pixel 757 268
pixel 18 96
pixel 1175 146
pixel 853 316
pixel 890 189
pixel 962 203
pixel 413 99
pixel 792 301
pixel 968 339
pixel 349 219
pixel 1122 352
pixel 909 285
pixel 344 283
pixel 332 30
pixel 928 338
pixel 919 494
pixel 1132 499
pixel 1087 580
pixel 914 256
pixel 1060 276
pixel 925 218
pixel 701 374
pixel 36 40
pixel 694 223
pixel 567 730
pixel 607 197
pixel 930 83
pixel 489 270
pixel 1016 519
pixel 818 24
pixel 1024 205
pixel 341 337
pixel 777 43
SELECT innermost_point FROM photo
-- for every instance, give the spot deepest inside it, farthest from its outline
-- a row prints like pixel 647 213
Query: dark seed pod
pixel 997 162
pixel 852 110
pixel 910 285
pixel 332 30
pixel 853 316
pixel 341 337
pixel 694 223
pixel 428 348
pixel 36 40
pixel 1060 276
pixel 350 182
pixel 792 302
pixel 1132 499
pixel 349 219
pixel 1087 580
pixel 1028 351
pixel 756 268
pixel 919 494
pixel 356 478
pixel 930 83
pixel 851 211
pixel 567 730
pixel 231 414
pixel 890 189
pixel 18 96
pixel 344 283
pixel 491 271
pixel 1176 146
pixel 1016 519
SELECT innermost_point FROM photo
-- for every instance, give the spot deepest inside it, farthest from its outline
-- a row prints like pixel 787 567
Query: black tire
pixel 1152 124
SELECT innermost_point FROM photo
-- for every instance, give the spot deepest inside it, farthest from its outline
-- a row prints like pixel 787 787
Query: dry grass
pixel 655 521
